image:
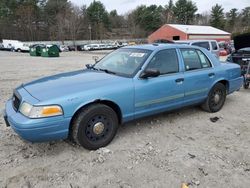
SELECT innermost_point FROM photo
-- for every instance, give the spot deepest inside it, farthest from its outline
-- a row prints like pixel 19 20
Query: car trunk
pixel 242 47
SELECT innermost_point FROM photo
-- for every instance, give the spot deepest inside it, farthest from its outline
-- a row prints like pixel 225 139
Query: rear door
pixel 199 75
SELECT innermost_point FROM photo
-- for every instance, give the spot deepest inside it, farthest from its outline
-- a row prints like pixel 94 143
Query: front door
pixel 153 95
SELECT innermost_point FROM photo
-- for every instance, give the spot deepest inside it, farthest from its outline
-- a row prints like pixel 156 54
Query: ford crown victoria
pixel 132 82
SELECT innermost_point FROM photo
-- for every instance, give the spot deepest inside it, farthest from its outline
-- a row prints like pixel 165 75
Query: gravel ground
pixel 165 150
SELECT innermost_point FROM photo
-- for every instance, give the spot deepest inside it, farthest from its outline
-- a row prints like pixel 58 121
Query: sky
pixel 124 6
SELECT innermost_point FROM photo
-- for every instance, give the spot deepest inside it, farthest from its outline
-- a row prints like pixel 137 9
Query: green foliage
pixel 232 16
pixel 7 9
pixel 246 17
pixel 184 11
pixel 97 14
pixel 61 20
pixel 149 18
pixel 217 17
pixel 169 11
pixel 53 8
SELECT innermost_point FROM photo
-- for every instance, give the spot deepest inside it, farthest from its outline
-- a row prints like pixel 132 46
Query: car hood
pixel 242 41
pixel 69 83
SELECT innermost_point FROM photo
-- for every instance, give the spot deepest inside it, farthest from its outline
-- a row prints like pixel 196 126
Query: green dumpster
pixel 50 51
pixel 35 50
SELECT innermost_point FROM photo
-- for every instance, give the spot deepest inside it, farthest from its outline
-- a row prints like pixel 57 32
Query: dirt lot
pixel 160 151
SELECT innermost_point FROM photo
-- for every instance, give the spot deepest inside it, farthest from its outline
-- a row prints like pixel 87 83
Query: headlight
pixel 40 111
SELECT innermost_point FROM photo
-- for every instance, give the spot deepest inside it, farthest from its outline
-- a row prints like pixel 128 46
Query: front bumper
pixel 36 130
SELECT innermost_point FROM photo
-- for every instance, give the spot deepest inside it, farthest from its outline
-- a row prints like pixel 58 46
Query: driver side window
pixel 166 61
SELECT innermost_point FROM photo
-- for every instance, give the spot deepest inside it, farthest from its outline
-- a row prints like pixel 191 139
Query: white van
pixel 210 45
pixel 15 45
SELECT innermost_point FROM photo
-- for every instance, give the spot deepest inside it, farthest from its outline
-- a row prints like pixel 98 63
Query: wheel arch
pixel 225 83
pixel 109 103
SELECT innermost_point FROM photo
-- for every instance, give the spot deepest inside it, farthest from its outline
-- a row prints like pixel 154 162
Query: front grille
pixel 16 101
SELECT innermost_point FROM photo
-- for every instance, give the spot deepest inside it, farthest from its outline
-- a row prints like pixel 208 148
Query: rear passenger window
pixel 202 44
pixel 191 59
pixel 194 59
pixel 165 61
pixel 205 63
pixel 214 46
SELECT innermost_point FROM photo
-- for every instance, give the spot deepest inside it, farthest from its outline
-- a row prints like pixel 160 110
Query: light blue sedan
pixel 132 82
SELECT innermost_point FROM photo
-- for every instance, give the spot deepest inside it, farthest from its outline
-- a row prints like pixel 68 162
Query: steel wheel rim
pixel 98 128
pixel 216 98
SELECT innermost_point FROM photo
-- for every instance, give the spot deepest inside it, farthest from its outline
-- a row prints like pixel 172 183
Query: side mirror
pixel 95 58
pixel 150 73
pixel 89 66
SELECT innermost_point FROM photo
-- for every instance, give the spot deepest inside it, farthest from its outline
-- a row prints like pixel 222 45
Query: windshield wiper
pixel 107 71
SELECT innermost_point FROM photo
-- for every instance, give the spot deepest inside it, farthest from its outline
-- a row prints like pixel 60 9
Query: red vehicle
pixel 223 52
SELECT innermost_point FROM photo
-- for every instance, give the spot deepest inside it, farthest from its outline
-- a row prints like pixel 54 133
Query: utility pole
pixel 90 32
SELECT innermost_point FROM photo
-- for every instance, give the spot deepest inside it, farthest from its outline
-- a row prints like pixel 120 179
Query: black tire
pixel 216 98
pixel 86 127
pixel 246 85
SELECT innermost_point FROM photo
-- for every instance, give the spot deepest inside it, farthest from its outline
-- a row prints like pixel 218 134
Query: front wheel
pixel 95 126
pixel 216 98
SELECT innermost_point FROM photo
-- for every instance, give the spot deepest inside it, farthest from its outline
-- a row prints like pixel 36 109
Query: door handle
pixel 211 74
pixel 179 80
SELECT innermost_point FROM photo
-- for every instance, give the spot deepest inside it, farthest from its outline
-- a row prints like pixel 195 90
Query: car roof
pixel 191 41
pixel 158 46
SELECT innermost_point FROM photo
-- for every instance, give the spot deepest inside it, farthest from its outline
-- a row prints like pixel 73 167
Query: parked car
pixel 223 52
pixel 210 45
pixel 242 56
pixel 87 47
pixel 80 47
pixel 132 82
pixel 63 48
pixel 72 48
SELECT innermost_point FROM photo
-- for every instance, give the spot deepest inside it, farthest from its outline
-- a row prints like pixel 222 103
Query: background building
pixel 188 32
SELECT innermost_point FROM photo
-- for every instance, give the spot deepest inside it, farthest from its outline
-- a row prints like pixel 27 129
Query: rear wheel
pixel 95 126
pixel 216 98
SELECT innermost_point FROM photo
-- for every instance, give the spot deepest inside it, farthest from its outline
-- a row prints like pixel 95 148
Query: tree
pixel 98 18
pixel 184 11
pixel 245 18
pixel 55 17
pixel 169 11
pixel 231 19
pixel 116 20
pixel 148 18
pixel 26 18
pixel 217 17
pixel 76 20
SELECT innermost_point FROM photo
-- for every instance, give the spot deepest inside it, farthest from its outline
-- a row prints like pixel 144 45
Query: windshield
pixel 124 62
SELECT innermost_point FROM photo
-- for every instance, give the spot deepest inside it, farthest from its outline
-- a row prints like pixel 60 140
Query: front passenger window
pixel 165 61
